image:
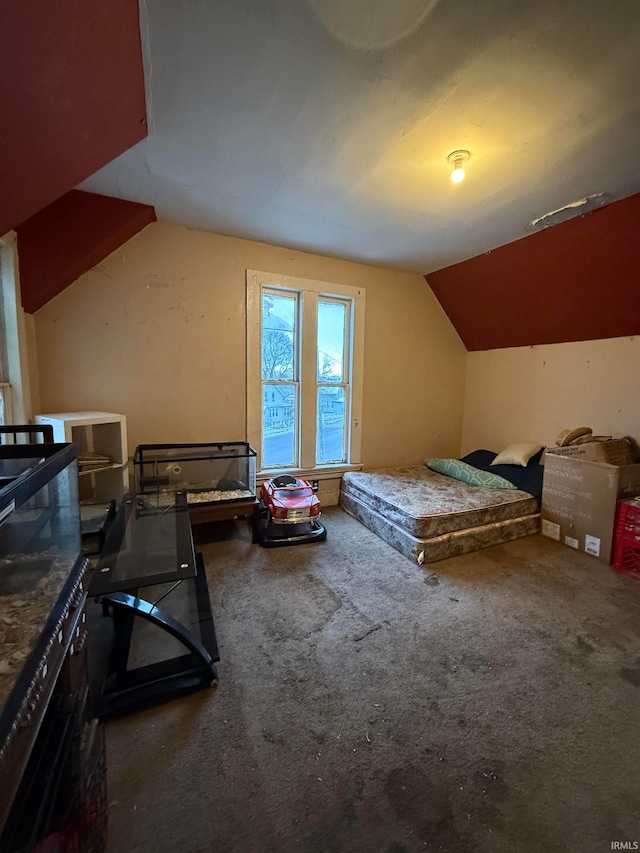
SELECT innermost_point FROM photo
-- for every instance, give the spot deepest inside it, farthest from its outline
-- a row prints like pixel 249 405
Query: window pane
pixel 278 425
pixel 278 335
pixel 331 327
pixel 330 445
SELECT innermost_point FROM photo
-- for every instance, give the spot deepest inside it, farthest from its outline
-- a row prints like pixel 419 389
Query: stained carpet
pixel 487 704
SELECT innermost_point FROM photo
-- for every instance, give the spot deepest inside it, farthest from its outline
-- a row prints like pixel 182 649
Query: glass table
pixel 151 548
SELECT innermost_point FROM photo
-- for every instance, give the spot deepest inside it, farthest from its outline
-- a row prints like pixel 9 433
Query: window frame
pixel 310 291
pixel 16 388
pixel 346 382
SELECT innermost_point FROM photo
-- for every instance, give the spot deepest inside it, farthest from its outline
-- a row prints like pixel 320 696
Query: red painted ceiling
pixel 577 281
pixel 72 95
pixel 69 237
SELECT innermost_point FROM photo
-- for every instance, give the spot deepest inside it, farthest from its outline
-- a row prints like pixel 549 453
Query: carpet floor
pixel 487 704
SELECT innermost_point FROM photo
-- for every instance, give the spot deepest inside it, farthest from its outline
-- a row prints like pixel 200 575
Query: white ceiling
pixel 325 125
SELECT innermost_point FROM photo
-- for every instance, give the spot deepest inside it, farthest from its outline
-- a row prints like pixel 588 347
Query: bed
pixel 429 516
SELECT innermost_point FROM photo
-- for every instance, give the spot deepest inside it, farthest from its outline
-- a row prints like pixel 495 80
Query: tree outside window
pixel 302 338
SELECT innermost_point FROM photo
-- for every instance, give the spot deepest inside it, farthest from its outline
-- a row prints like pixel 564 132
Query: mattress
pixel 428 516
pixel 425 503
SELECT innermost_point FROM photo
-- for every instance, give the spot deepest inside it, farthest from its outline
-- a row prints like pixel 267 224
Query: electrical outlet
pixel 315 484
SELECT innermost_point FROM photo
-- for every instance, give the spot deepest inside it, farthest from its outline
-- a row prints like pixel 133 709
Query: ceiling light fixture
pixel 458 158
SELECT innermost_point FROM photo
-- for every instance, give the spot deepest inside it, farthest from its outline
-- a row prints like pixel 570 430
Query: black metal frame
pixel 249 451
pixel 36 452
pixel 30 430
pixel 126 690
pixel 270 534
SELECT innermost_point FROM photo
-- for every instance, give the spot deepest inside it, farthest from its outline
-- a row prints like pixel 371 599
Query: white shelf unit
pixel 95 432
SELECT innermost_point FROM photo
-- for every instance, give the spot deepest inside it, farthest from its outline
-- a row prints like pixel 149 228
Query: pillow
pixel 468 474
pixel 528 479
pixel 517 454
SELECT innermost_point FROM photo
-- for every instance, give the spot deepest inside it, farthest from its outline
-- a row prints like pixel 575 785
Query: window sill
pixel 325 473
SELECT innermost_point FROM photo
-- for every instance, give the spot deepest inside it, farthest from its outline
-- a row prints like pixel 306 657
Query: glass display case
pixel 39 547
pixel 41 594
pixel 219 479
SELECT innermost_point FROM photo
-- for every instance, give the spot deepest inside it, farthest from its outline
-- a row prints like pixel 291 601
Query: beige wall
pixel 532 393
pixel 157 332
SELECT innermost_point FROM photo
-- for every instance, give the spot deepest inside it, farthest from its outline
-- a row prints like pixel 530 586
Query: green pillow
pixel 468 474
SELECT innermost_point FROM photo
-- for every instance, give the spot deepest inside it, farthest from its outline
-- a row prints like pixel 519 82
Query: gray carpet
pixel 486 704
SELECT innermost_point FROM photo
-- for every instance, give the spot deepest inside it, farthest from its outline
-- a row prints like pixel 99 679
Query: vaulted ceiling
pixel 325 125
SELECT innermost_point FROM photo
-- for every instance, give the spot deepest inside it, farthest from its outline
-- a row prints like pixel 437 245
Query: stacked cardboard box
pixel 579 499
pixel 616 451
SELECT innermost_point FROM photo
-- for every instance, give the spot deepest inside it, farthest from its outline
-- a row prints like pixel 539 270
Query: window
pixel 6 293
pixel 5 387
pixel 305 353
pixel 15 395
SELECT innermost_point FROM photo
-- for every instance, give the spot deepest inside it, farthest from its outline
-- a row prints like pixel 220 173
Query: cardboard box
pixel 615 452
pixel 579 499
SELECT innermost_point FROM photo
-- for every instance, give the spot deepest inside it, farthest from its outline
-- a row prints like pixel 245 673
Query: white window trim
pixel 5 393
pixel 310 289
pixel 17 368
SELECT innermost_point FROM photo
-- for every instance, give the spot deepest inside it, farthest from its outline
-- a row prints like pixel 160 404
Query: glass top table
pixel 151 546
pixel 145 546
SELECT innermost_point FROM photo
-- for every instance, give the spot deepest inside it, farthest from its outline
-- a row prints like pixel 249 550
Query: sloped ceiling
pixel 71 94
pixel 325 125
pixel 577 281
pixel 70 236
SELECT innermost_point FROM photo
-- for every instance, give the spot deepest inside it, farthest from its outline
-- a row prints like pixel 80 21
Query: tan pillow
pixel 517 454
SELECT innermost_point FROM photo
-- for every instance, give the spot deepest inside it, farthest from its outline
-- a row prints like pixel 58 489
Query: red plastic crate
pixel 628 519
pixel 627 539
pixel 627 559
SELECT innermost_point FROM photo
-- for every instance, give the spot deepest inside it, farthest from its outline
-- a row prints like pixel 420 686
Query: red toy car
pixel 289 500
pixel 289 512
